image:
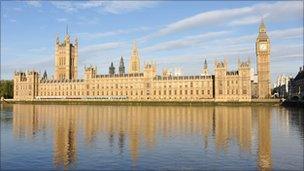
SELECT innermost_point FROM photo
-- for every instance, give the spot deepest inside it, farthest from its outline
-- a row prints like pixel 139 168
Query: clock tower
pixel 262 48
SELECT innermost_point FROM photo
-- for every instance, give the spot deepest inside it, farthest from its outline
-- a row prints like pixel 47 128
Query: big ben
pixel 263 62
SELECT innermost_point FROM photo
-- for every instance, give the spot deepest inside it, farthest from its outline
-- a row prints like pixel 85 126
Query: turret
pixel 150 70
pixel 112 69
pixel 44 77
pixel 26 85
pixel 66 58
pixel 220 68
pixel 121 66
pixel 244 68
pixel 205 69
pixel 90 72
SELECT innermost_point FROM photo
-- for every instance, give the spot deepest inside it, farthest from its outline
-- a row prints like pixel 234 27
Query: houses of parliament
pixel 145 84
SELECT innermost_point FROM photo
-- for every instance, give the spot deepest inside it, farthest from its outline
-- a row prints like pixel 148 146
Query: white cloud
pixel 62 20
pixel 17 9
pixel 111 33
pixel 247 20
pixel 117 7
pixel 286 33
pixel 100 47
pixel 114 7
pixel 34 3
pixel 38 50
pixel 64 5
pixel 278 11
pixel 184 42
pixel 13 20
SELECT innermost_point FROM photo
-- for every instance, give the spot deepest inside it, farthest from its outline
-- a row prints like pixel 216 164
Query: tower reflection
pixel 132 127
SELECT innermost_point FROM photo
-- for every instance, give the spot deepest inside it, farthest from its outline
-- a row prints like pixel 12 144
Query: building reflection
pixel 128 128
pixel 264 138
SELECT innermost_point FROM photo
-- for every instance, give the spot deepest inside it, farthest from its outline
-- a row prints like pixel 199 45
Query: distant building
pixel 281 87
pixel 224 85
pixel 296 85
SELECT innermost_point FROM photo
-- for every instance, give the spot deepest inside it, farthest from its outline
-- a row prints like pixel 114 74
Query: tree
pixel 6 89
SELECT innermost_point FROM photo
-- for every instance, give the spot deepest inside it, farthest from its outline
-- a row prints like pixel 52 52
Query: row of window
pixel 117 86
pixel 155 92
pixel 233 92
pixel 23 87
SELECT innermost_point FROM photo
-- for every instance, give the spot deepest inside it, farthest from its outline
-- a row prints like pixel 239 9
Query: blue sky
pixel 173 34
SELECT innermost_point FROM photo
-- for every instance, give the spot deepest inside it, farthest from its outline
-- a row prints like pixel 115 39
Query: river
pixel 151 137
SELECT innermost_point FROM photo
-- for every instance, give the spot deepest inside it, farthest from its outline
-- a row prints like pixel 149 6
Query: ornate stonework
pixel 224 85
pixel 263 62
pixel 66 57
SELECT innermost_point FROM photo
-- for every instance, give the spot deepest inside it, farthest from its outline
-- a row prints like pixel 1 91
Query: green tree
pixel 6 89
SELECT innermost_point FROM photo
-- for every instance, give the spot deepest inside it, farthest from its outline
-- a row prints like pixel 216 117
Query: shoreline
pixel 253 102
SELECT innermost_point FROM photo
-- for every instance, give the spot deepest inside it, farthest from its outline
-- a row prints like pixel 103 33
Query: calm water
pixel 135 137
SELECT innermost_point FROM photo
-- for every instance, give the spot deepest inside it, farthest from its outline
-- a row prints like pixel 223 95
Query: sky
pixel 174 34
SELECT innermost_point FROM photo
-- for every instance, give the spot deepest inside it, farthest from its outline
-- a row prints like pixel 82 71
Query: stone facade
pixel 232 85
pixel 143 85
pixel 66 58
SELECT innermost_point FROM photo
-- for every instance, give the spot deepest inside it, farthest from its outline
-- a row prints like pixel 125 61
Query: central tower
pixel 263 62
pixel 66 56
pixel 134 66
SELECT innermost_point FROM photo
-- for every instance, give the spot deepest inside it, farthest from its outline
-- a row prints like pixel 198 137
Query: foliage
pixel 6 89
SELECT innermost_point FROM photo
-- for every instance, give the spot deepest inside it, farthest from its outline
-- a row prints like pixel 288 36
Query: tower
pixel 150 70
pixel 66 57
pixel 263 62
pixel 121 66
pixel 112 69
pixel 205 69
pixel 134 66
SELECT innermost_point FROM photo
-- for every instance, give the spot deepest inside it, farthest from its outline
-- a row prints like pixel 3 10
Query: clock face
pixel 263 46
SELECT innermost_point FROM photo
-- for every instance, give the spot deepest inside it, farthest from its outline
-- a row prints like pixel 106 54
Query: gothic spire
pixel 112 69
pixel 134 46
pixel 121 66
pixel 262 27
pixel 205 64
pixel 44 75
pixel 67 30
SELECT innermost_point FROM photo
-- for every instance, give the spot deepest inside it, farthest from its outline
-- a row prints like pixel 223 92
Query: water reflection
pixel 132 127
